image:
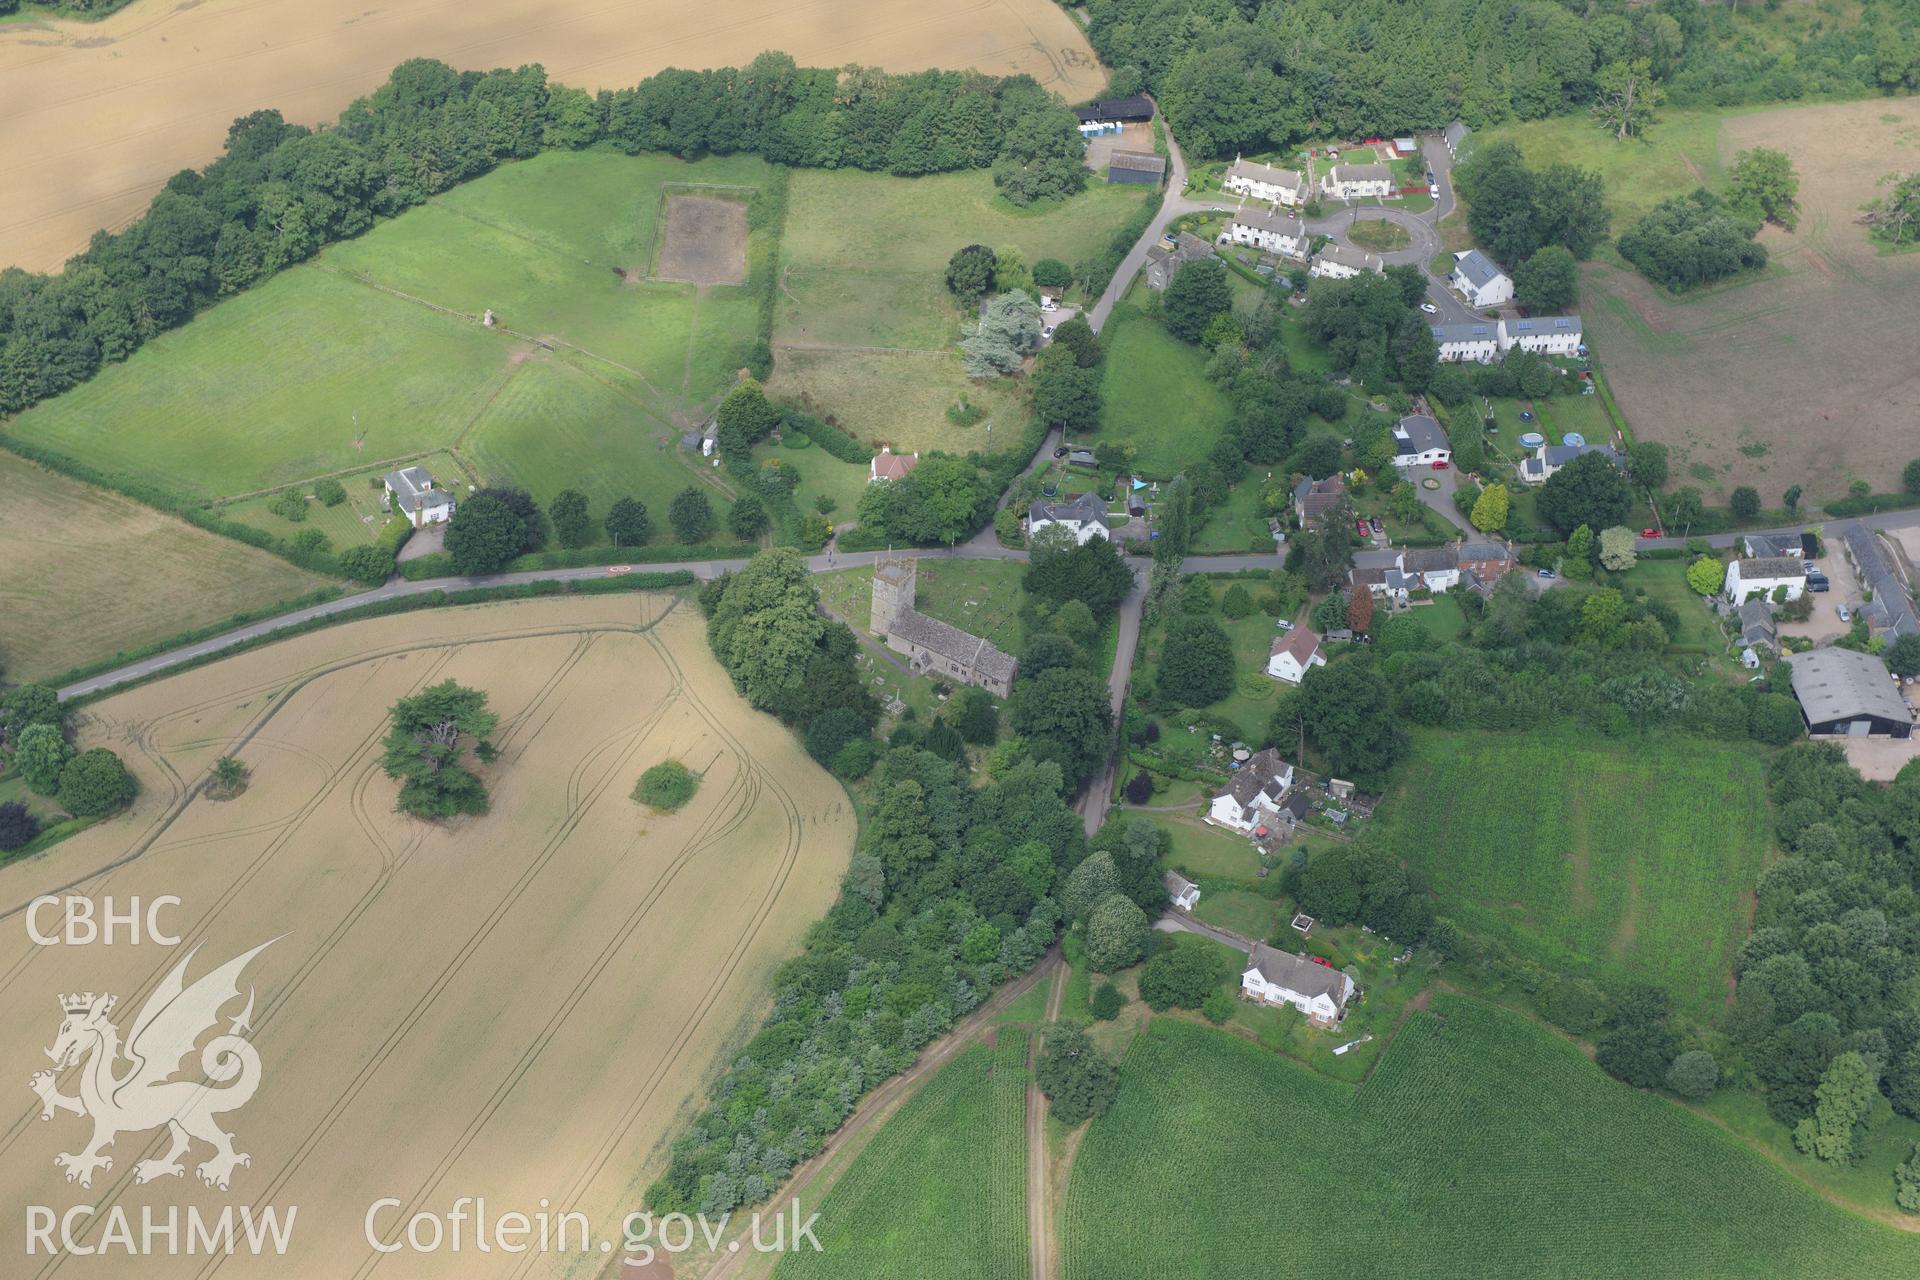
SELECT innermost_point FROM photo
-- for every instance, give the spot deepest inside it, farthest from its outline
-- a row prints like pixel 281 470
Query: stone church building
pixel 931 647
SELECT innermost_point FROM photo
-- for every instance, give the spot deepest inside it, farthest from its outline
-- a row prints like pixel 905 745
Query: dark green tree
pixel 744 419
pixel 426 745
pixel 975 716
pixel 41 756
pixel 1078 1081
pixel 1181 975
pixel 1199 292
pixel 367 563
pixel 970 273
pixel 626 522
pixel 1066 394
pixel 1745 501
pixel 1349 716
pixel 691 515
pixel 1066 718
pixel 1589 490
pixel 571 524
pixel 533 524
pixel 1647 462
pixel 1196 663
pixel 1548 281
pixel 484 535
pixel 747 520
pixel 18 827
pixel 1077 336
pixel 95 783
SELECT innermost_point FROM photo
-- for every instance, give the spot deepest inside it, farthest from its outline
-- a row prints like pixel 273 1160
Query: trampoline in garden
pixel 1532 440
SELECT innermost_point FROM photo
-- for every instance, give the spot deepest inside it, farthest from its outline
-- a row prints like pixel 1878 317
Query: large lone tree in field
pixel 427 743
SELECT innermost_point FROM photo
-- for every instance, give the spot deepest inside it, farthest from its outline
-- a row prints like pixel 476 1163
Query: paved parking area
pixel 1825 622
pixel 1877 759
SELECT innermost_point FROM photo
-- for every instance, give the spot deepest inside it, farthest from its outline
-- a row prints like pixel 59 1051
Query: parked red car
pixel 1321 960
pixel 1651 533
pixel 1361 526
pixel 1441 465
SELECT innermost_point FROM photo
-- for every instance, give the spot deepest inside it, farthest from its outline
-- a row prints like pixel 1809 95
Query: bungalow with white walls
pixel 1418 441
pixel 1549 458
pixel 1277 977
pixel 410 493
pixel 888 465
pixel 1182 893
pixel 1259 181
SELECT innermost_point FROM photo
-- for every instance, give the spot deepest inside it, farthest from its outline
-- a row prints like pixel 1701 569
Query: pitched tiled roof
pixel 1476 266
pixel 1298 974
pixel 949 641
pixel 1254 171
pixel 1082 510
pixel 1301 642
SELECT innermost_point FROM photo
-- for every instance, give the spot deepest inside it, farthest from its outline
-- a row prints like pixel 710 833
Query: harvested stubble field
pixel 1797 377
pixel 374 350
pixel 1482 1145
pixel 519 1005
pixel 102 113
pixel 1625 861
pixel 70 592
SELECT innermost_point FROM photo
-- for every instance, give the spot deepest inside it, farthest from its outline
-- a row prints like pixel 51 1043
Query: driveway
pixel 1441 499
pixel 1177 922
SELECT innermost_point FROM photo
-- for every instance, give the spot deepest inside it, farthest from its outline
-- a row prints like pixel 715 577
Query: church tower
pixel 892 592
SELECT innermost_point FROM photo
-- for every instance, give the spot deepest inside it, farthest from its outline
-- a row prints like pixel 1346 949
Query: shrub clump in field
pixel 666 786
pixel 1107 1002
pixel 229 778
pixel 426 744
pixel 330 492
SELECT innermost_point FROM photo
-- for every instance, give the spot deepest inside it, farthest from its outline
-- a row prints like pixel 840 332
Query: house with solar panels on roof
pixel 1479 281
pixel 1542 335
pixel 1485 341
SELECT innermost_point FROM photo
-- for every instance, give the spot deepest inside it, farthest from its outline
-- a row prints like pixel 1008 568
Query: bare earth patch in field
pixel 86 574
pixel 519 1006
pixel 704 241
pixel 1801 377
pixel 100 114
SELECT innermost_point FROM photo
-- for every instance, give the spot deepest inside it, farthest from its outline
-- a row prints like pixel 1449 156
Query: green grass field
pixel 1481 1146
pixel 372 351
pixel 1630 861
pixel 942 1190
pixel 980 596
pixel 857 291
pixel 1680 152
pixel 1157 395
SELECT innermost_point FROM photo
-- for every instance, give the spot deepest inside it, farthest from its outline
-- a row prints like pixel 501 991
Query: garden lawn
pixel 942 1189
pixel 1157 395
pixel 1442 618
pixel 1201 850
pixel 360 517
pixel 1667 580
pixel 1237 911
pixel 1563 1170
pixel 1236 526
pixel 1625 861
pixel 820 474
pixel 373 352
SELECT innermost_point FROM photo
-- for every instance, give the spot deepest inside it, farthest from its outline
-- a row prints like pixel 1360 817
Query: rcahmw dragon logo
pixel 144 1096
